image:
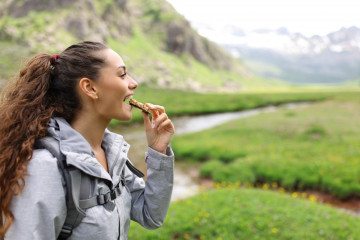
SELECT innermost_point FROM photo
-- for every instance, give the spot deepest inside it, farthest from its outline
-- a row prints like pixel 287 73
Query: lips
pixel 128 97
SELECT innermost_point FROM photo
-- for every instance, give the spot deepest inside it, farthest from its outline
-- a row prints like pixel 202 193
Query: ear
pixel 87 86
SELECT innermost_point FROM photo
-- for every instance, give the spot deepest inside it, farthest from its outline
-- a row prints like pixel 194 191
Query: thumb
pixel 147 121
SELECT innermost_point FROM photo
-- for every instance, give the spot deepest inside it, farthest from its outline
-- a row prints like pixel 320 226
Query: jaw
pixel 126 113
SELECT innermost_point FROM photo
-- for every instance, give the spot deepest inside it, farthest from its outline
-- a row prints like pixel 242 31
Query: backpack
pixel 77 185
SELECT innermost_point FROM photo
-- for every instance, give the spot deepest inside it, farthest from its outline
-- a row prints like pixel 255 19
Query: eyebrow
pixel 123 67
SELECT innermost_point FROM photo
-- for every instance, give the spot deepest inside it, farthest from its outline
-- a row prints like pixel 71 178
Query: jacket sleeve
pixel 151 199
pixel 40 210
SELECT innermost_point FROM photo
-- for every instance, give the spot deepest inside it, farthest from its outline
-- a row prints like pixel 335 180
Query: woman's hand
pixel 159 130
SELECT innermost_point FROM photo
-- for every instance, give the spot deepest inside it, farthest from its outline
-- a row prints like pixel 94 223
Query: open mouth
pixel 127 98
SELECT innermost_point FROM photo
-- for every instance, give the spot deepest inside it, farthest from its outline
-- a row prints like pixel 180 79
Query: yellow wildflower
pixel 312 198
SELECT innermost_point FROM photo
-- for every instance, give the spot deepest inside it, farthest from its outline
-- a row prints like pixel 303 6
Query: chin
pixel 125 118
pixel 128 119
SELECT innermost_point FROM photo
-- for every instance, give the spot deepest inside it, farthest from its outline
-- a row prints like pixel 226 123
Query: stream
pixel 185 183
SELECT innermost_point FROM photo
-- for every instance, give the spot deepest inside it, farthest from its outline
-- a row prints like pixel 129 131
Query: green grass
pixel 179 102
pixel 246 213
pixel 316 147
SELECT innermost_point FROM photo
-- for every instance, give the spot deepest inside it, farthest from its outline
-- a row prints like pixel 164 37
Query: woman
pixel 71 98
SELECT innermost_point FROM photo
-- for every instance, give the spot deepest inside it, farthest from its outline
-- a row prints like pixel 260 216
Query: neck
pixel 91 127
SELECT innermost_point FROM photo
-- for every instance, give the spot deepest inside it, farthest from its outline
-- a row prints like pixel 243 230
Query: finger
pixel 147 121
pixel 155 107
pixel 153 111
pixel 168 125
pixel 159 108
pixel 159 120
pixel 156 110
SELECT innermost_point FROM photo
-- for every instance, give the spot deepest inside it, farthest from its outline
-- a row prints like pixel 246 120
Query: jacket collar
pixel 79 154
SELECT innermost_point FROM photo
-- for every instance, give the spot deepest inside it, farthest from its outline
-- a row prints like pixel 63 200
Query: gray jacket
pixel 40 209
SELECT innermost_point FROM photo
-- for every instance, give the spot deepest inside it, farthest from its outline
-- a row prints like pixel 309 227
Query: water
pixel 191 124
pixel 184 184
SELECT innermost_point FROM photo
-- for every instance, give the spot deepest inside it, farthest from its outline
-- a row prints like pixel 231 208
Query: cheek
pixel 115 91
pixel 116 98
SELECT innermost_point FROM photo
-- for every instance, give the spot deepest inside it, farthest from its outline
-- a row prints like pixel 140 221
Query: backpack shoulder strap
pixel 72 178
pixel 78 187
pixel 133 169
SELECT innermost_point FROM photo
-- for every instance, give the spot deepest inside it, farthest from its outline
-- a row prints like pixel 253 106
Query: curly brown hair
pixel 44 88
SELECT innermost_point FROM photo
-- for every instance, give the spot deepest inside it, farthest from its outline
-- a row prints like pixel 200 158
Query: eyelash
pixel 123 75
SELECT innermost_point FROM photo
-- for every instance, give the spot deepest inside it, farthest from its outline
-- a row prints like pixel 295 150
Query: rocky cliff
pixel 152 24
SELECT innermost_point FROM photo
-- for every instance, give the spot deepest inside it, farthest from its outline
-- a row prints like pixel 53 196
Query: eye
pixel 123 75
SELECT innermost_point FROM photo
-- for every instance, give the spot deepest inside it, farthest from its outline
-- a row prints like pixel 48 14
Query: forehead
pixel 113 59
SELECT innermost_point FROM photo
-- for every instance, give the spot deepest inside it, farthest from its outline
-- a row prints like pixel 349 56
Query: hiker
pixel 63 174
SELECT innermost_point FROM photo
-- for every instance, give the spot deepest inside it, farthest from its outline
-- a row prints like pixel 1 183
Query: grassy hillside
pixel 159 45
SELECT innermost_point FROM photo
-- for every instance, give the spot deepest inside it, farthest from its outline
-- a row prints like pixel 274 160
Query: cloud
pixel 306 16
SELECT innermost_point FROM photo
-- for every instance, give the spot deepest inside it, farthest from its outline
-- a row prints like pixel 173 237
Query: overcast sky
pixel 309 17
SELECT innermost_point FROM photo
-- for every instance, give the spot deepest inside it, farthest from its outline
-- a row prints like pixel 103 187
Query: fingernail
pixel 153 125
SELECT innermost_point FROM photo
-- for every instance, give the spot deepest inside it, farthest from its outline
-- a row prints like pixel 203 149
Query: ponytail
pixel 24 117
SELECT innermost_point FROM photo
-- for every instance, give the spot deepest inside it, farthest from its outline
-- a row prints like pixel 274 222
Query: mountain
pixel 158 45
pixel 330 59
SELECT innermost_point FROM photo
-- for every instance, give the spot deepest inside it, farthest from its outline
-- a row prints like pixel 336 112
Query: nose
pixel 132 83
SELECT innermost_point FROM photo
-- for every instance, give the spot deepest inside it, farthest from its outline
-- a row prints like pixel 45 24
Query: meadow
pixel 179 102
pixel 233 213
pixel 315 148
